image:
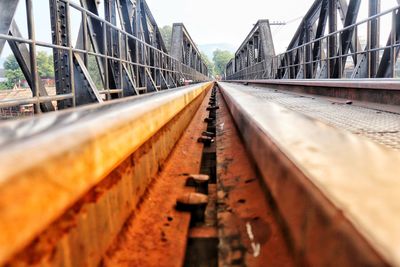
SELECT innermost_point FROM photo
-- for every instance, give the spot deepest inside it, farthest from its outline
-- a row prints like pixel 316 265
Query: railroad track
pixel 213 174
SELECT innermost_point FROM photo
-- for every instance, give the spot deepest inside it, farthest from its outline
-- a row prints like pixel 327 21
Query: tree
pixel 14 74
pixel 209 63
pixel 93 69
pixel 166 33
pixel 45 65
pixel 221 58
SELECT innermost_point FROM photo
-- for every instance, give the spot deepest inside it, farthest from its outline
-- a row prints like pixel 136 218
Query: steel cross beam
pixel 70 73
pixel 256 48
pixel 346 37
pixel 327 37
pixel 20 50
pixel 185 50
pixel 117 53
pixel 7 12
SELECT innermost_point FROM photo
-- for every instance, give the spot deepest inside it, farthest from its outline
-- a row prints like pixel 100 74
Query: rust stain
pixel 157 233
pixel 82 234
pixel 250 235
pixel 37 191
pixel 318 232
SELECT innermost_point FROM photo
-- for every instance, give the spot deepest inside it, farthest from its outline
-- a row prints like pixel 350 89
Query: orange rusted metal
pixel 49 204
pixel 250 234
pixel 156 235
pixel 336 192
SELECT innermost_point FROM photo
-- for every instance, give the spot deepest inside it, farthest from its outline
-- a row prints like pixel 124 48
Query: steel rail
pixel 378 84
pixel 32 100
pixel 72 151
pixel 330 186
pixel 382 91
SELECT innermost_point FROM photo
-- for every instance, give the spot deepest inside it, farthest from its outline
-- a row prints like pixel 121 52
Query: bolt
pixel 207 141
pixel 193 202
pixel 190 200
pixel 199 181
pixel 209 134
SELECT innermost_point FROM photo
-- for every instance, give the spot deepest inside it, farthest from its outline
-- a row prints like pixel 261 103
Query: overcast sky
pixel 229 21
pixel 208 21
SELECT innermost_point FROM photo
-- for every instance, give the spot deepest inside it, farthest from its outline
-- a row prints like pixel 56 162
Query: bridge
pixel 137 156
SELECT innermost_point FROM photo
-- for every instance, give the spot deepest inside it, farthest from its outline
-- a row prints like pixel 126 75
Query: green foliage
pixel 11 63
pixel 94 72
pixel 14 74
pixel 209 63
pixel 45 65
pixel 221 58
pixel 4 86
pixel 166 33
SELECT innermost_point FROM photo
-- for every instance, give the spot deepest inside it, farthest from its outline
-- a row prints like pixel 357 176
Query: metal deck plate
pixel 380 126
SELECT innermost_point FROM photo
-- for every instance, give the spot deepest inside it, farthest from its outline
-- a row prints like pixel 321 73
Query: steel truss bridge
pixel 126 44
pixel 321 48
pixel 135 156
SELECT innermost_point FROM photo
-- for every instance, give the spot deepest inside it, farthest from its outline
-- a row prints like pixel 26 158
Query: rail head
pixel 310 166
pixel 380 91
pixel 376 84
pixel 49 162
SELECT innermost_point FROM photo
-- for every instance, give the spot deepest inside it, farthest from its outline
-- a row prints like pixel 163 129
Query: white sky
pixel 229 21
pixel 209 21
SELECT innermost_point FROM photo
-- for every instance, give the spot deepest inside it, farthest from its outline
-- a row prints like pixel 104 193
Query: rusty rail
pixel 49 163
pixel 337 192
pixel 382 91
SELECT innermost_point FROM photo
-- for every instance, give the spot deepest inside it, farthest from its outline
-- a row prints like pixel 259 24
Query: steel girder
pixel 71 75
pixel 185 50
pixel 129 52
pixel 257 47
pixel 347 39
pixel 387 65
pixel 22 55
pixel 320 47
pixel 7 11
pixel 230 68
pixel 20 50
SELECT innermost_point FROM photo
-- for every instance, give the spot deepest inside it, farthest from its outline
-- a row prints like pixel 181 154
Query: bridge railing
pixel 116 55
pixel 339 54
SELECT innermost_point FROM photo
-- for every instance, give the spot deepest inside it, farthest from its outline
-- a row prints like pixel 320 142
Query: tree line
pixel 14 75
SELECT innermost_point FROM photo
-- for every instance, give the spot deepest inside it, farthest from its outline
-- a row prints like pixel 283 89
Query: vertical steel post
pixel 355 40
pixel 70 54
pixel 373 37
pixel 332 44
pixel 32 54
pixel 393 53
pixel 106 74
pixel 85 37
pixel 307 50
